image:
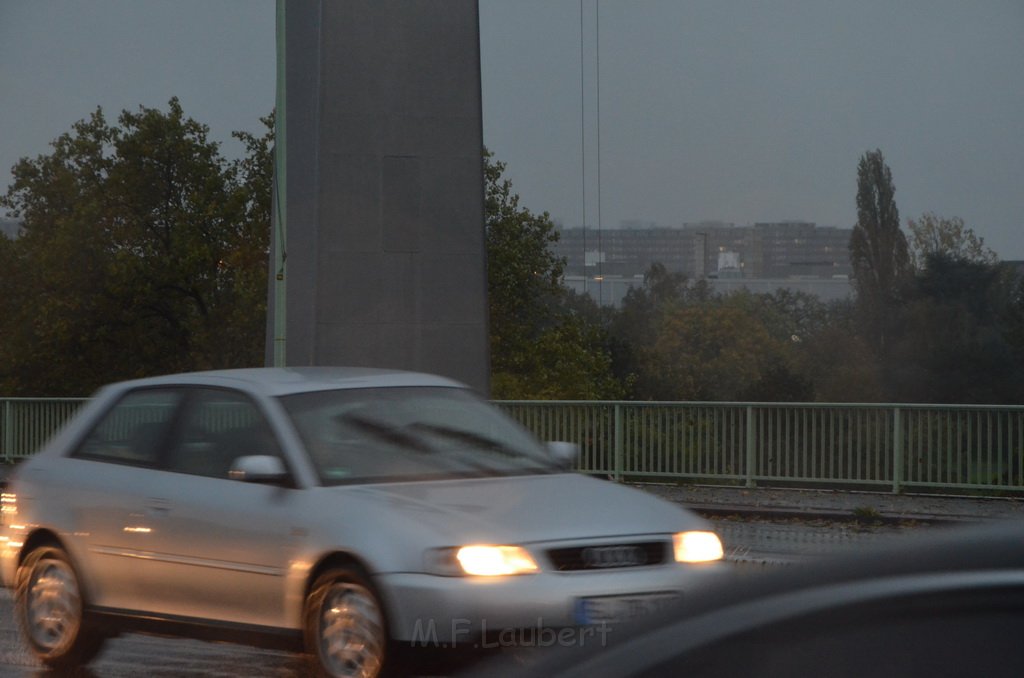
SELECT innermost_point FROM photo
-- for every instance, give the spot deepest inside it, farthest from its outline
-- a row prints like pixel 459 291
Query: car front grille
pixel 608 556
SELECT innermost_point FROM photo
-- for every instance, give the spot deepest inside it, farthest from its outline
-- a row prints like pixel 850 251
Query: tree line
pixel 935 318
pixel 144 251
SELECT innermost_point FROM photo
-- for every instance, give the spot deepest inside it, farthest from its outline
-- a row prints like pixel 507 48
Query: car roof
pixel 279 381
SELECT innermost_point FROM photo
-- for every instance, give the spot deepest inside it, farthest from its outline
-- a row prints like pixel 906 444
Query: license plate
pixel 624 608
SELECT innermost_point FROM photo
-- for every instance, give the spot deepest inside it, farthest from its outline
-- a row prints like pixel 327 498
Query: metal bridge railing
pixel 27 423
pixel 943 447
pixel 948 447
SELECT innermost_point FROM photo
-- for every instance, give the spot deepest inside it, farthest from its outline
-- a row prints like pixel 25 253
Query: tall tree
pixel 953 345
pixel 878 249
pixel 934 235
pixel 523 275
pixel 634 326
pixel 541 347
pixel 142 252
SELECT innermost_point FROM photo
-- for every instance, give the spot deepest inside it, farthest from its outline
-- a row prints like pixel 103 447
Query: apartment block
pixel 792 249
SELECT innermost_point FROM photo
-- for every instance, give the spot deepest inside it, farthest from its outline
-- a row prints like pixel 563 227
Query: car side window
pixel 217 427
pixel 134 429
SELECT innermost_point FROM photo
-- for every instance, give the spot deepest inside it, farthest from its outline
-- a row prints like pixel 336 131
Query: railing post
pixel 750 447
pixel 897 451
pixel 8 428
pixel 619 443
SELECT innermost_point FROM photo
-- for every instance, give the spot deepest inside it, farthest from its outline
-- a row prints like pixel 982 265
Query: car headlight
pixel 483 560
pixel 697 547
pixel 8 507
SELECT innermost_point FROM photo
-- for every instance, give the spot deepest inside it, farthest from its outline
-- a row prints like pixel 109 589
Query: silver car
pixel 339 512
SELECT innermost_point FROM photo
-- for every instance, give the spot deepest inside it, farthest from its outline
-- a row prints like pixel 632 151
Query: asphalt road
pixel 134 655
pixel 792 541
pixel 748 542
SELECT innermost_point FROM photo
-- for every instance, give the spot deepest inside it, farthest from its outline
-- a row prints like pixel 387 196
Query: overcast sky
pixel 738 110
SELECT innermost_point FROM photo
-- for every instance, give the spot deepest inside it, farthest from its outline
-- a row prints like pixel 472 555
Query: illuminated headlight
pixel 481 560
pixel 8 507
pixel 697 547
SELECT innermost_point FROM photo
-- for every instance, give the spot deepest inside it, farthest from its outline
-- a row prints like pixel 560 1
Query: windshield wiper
pixel 406 437
pixel 474 439
pixel 387 432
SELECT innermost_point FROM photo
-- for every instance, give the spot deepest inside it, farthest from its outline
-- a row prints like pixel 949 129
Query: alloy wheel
pixel 53 604
pixel 351 631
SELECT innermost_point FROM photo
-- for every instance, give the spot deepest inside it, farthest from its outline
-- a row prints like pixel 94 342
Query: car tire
pixel 51 611
pixel 344 626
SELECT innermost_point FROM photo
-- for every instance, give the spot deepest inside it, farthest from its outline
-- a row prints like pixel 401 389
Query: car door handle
pixel 157 506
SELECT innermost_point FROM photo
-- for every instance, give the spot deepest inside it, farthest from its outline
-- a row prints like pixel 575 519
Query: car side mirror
pixel 565 454
pixel 259 468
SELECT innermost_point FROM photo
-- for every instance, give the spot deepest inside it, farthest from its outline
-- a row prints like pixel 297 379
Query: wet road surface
pixel 136 655
pixel 757 542
pixel 799 541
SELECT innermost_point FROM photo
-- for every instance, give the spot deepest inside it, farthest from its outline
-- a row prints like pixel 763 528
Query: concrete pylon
pixel 380 199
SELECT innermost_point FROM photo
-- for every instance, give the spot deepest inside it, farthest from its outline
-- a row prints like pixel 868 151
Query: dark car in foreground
pixel 341 512
pixel 949 603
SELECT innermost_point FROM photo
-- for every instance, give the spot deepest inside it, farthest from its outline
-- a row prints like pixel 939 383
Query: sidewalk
pixel 839 504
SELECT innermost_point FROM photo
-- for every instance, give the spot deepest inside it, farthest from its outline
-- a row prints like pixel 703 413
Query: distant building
pixel 797 249
pixel 762 257
pixel 792 249
pixel 625 251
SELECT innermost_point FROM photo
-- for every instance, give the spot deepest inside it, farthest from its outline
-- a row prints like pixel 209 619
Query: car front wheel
pixel 344 625
pixel 51 612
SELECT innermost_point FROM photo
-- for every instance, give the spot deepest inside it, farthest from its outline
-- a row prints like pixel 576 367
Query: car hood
pixel 524 509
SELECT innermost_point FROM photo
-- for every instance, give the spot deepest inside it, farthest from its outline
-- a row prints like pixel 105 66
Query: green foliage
pixel 841 367
pixel 948 330
pixel 1012 321
pixel 868 515
pixel 952 345
pixel 541 348
pixel 718 351
pixel 143 251
pixel 634 326
pixel 568 362
pixel 952 333
pixel 523 276
pixel 878 249
pixel 933 235
pixel 675 340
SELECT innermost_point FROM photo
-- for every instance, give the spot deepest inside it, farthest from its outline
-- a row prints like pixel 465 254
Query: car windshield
pixel 410 433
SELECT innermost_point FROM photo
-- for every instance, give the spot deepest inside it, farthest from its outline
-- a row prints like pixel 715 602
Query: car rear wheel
pixel 51 612
pixel 344 625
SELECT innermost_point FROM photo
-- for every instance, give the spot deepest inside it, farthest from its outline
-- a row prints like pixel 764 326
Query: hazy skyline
pixel 741 111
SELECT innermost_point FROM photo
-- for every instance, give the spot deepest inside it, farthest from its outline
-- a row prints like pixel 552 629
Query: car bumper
pixel 450 611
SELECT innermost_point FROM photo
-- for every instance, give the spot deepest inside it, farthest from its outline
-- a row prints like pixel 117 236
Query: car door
pixel 105 485
pixel 225 546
